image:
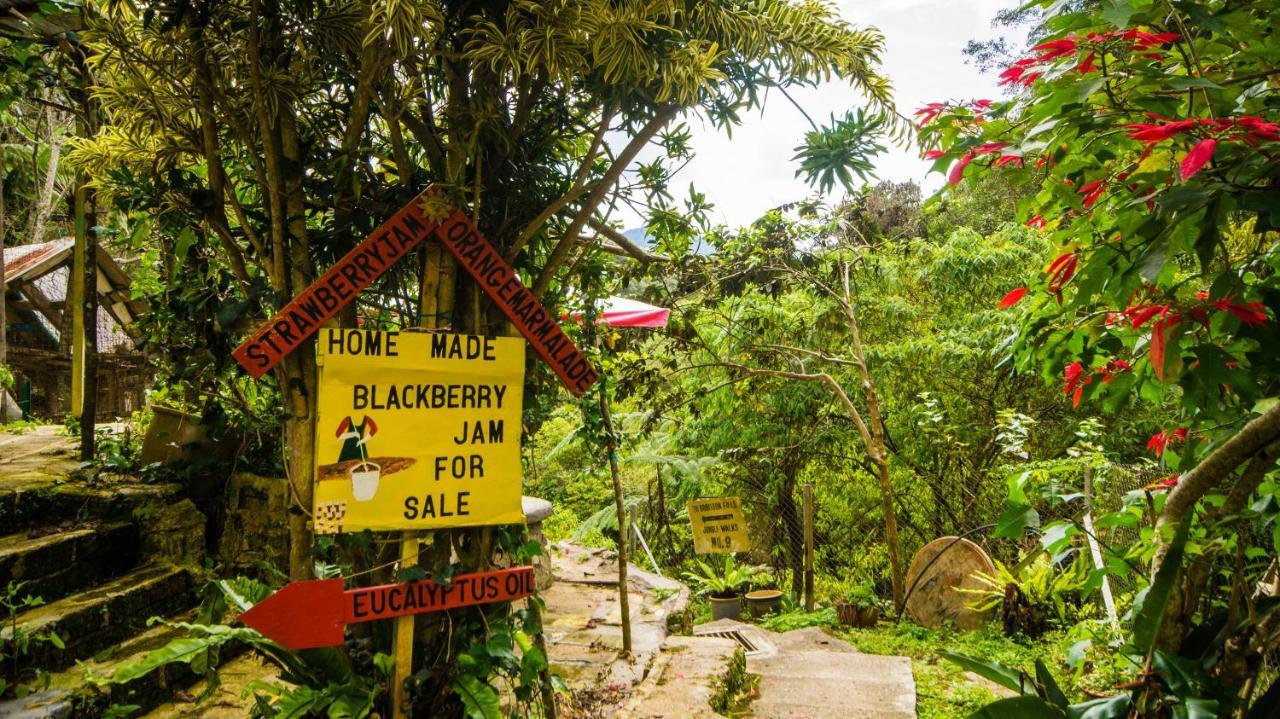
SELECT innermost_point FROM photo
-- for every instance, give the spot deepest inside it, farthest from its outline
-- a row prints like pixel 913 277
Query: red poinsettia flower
pixel 1252 314
pixel 989 147
pixel 1151 132
pixel 1037 222
pixel 1258 128
pixel 1012 298
pixel 934 154
pixel 1054 49
pixel 1087 65
pixel 1198 157
pixel 1074 380
pixel 1160 440
pixel 1020 73
pixel 981 105
pixel 1113 368
pixel 1141 314
pixel 930 112
pixel 1092 191
pixel 1003 160
pixel 957 170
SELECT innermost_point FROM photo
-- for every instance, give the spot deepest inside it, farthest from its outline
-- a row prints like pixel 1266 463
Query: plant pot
pixel 868 616
pixel 764 601
pixel 364 480
pixel 730 608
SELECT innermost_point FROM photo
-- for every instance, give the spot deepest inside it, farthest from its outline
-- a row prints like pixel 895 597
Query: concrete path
pixel 809 674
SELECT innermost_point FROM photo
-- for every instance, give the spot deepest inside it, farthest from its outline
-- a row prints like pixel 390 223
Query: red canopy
pixel 622 312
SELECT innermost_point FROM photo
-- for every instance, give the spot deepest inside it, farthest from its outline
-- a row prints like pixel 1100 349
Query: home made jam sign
pixel 417 431
pixel 430 214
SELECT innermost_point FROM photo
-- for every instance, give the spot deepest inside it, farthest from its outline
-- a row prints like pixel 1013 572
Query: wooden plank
pixel 337 288
pixel 502 283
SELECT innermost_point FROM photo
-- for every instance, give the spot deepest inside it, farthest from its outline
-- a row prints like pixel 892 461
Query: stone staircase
pixel 77 545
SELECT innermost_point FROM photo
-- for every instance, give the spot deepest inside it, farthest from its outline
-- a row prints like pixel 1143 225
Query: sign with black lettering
pixel 718 525
pixel 417 430
pixel 503 285
pixel 322 300
pixel 313 614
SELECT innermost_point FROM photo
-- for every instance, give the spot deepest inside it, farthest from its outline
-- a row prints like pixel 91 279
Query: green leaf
pixel 1146 627
pixel 1015 521
pixel 1116 707
pixel 1117 12
pixel 1025 707
pixel 56 640
pixel 1268 705
pixel 1001 674
pixel 479 699
pixel 1052 692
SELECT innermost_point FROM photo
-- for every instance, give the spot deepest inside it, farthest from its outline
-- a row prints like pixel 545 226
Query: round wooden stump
pixel 932 581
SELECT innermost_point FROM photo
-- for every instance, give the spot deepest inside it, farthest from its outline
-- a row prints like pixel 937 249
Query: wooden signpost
pixel 309 615
pixel 316 611
pixel 718 525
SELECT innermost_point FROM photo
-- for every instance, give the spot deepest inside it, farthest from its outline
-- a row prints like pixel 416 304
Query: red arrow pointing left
pixel 307 615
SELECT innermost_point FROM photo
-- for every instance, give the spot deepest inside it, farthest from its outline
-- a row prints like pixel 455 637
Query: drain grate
pixel 736 636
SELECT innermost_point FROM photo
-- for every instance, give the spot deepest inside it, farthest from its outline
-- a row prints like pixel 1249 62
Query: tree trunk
pixel 4 289
pixel 44 193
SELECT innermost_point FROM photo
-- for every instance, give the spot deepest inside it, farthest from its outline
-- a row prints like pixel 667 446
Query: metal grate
pixel 736 636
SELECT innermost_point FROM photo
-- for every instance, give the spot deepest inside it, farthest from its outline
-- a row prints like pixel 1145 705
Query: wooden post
pixel 1108 599
pixel 82 296
pixel 428 316
pixel 808 547
pixel 611 446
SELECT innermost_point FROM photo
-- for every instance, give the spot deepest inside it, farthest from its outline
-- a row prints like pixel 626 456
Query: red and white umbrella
pixel 622 312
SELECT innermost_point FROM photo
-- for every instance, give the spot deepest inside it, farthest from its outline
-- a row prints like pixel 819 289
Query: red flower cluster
pixel 1024 72
pixel 930 112
pixel 1075 379
pixel 1160 440
pixel 1251 314
pixel 1092 191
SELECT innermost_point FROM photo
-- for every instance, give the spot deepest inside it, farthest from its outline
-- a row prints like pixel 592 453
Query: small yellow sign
pixel 718 525
pixel 417 431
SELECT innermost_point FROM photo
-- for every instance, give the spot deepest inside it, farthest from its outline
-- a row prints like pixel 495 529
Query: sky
pixel 752 172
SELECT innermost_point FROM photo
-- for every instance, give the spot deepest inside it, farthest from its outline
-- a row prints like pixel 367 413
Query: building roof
pixel 35 279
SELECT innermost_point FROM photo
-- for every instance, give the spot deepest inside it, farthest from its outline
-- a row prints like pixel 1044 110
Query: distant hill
pixel 640 237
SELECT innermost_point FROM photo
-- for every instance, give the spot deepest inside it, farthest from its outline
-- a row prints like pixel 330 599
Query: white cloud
pixel 752 171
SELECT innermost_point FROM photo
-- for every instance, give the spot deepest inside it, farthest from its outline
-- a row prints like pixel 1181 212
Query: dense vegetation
pixel 1068 355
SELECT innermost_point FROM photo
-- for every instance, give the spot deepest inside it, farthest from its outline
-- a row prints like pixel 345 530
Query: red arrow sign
pixel 307 615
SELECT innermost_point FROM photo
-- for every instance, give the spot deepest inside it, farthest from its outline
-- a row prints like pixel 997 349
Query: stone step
pixel 44 502
pixel 93 620
pixel 833 685
pixel 55 564
pixel 694 677
pixel 71 693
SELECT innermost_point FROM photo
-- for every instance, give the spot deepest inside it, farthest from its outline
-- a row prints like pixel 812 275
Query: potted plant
pixel 765 598
pixel 860 607
pixel 722 586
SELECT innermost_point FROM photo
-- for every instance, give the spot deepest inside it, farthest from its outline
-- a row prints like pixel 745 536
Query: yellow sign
pixel 417 431
pixel 718 525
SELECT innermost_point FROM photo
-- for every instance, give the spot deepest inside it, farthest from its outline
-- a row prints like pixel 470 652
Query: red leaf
pixel 1157 348
pixel 1013 298
pixel 934 154
pixel 1198 157
pixel 957 170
